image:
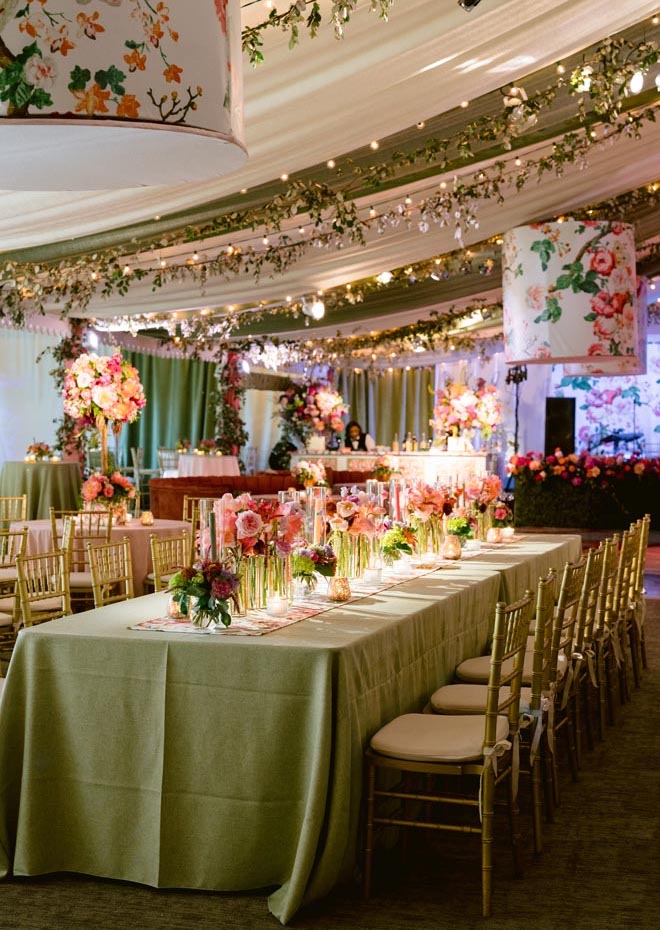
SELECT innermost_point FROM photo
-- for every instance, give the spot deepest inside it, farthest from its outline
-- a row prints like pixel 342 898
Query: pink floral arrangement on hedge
pixel 459 408
pixel 107 489
pixel 206 446
pixel 103 386
pixel 600 470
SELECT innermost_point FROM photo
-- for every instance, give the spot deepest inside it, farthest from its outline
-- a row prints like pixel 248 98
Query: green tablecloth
pixel 47 484
pixel 214 762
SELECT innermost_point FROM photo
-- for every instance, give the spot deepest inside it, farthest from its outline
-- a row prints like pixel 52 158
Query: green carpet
pixel 600 869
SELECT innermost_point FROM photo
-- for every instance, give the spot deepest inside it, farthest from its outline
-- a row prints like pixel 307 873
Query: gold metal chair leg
pixel 369 832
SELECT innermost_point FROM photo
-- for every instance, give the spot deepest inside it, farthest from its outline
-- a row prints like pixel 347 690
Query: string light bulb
pixel 331 163
pixel 636 83
pixel 374 146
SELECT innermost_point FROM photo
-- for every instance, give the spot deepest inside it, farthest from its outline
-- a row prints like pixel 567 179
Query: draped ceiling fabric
pixel 325 98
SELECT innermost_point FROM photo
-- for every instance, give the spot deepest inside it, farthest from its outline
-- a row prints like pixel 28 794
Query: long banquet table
pixel 226 762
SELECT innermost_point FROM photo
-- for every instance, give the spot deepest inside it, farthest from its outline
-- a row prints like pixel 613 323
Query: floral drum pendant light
pixel 100 94
pixel 570 295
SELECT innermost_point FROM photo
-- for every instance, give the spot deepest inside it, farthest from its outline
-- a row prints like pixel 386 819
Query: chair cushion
pixel 434 738
pixel 46 606
pixel 80 580
pixel 6 620
pixel 7 604
pixel 471 699
pixel 476 671
pixel 7 575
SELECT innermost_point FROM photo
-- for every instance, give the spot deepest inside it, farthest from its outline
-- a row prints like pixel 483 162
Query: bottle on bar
pixel 395 443
pixel 415 446
pixel 408 442
pixel 423 444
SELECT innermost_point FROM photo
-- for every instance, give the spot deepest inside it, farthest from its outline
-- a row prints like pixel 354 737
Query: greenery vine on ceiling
pixel 600 84
pixel 306 15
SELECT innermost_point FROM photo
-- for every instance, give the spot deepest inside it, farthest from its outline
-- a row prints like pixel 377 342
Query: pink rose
pixel 248 524
pixel 605 327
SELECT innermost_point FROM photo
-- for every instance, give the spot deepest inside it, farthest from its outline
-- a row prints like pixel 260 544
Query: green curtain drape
pixel 392 402
pixel 180 405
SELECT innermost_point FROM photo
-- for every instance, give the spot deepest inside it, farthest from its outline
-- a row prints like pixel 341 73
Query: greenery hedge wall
pixel 556 502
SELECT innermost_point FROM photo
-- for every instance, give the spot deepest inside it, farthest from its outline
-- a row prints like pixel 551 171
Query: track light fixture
pixel 315 309
pixel 468 5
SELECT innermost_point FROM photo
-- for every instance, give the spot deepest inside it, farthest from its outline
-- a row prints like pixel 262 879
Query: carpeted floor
pixel 600 869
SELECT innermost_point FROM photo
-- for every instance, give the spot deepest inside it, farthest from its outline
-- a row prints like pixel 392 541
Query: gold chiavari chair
pixel 57 518
pixel 637 613
pixel 534 702
pixel 623 590
pixel 472 755
pixel 111 567
pixel 12 544
pixel 169 554
pixel 12 510
pixel 584 652
pixel 87 527
pixel 608 651
pixel 43 587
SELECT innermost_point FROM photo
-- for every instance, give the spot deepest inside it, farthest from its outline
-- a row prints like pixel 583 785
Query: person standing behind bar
pixel 357 440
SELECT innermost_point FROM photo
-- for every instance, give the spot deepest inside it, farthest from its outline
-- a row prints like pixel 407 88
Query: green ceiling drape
pixel 180 405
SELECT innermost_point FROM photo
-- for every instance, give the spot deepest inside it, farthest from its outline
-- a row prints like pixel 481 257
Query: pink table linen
pixel 191 465
pixel 40 540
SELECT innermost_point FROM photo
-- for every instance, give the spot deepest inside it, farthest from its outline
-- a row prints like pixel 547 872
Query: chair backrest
pixel 169 554
pixel 88 526
pixel 43 586
pixel 12 510
pixel 112 572
pixel 168 460
pixel 566 612
pixel 57 524
pixel 626 574
pixel 586 617
pixel 12 544
pixel 645 526
pixel 190 505
pixel 605 608
pixel 543 630
pixel 509 641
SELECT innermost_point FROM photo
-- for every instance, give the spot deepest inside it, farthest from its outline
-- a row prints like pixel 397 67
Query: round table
pixel 191 465
pixel 47 484
pixel 40 540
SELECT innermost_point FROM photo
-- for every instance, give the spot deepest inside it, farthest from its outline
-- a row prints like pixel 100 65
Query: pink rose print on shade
pixel 603 261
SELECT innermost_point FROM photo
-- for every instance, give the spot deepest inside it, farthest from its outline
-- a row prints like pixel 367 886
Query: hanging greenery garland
pixel 336 220
pixel 305 15
pixel 231 435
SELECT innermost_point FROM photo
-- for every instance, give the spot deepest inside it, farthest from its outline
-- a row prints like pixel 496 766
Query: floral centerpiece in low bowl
pixel 112 492
pixel 384 468
pixel 38 452
pixel 207 447
pixel 204 592
pixel 310 473
pixel 309 562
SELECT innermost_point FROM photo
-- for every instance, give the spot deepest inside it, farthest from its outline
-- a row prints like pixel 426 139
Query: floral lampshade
pixel 98 94
pixel 569 294
pixel 620 364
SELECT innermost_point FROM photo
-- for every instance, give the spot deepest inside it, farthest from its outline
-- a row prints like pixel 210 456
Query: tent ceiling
pixel 325 98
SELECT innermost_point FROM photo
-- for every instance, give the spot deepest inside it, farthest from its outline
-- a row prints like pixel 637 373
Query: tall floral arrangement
pixel 99 389
pixel 459 407
pixel 308 408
